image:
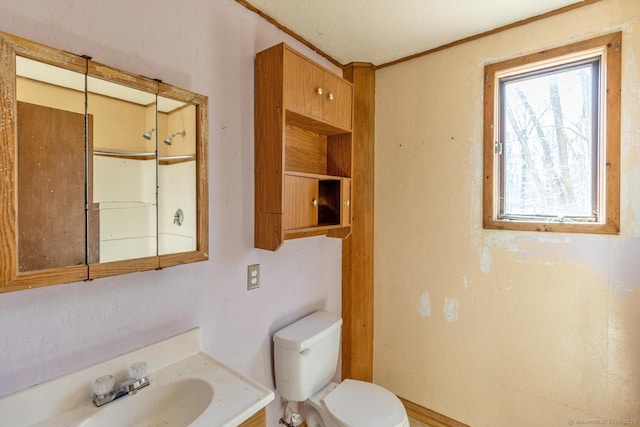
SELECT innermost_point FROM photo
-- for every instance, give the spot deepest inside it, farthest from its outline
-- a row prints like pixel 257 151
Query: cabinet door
pixel 51 188
pixel 301 202
pixel 345 200
pixel 303 85
pixel 337 101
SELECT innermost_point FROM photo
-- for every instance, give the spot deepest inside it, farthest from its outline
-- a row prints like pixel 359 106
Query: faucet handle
pixel 138 370
pixel 103 385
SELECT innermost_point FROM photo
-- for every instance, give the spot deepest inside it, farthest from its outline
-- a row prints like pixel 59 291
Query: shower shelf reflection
pixel 179 157
pixel 124 205
pixel 172 160
pixel 147 154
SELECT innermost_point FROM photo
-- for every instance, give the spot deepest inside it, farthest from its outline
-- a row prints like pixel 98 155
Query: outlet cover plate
pixel 253 276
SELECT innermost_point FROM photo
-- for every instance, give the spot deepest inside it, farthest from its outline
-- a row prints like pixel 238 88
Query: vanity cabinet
pixel 259 419
pixel 303 149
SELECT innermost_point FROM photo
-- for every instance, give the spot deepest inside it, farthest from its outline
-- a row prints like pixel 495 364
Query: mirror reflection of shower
pixel 147 135
pixel 169 139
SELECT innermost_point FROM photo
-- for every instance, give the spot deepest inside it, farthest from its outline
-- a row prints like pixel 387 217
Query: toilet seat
pixel 361 404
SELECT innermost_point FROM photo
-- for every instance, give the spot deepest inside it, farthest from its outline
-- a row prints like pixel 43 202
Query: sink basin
pixel 184 382
pixel 175 404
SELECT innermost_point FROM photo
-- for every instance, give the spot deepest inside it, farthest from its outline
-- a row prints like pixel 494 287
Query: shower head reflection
pixel 170 139
pixel 147 135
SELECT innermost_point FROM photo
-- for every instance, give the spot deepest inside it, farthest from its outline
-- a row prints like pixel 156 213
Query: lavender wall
pixel 207 47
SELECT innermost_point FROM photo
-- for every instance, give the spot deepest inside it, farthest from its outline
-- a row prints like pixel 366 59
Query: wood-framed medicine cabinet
pixel 102 172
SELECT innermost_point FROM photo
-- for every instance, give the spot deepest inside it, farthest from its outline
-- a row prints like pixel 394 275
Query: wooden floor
pixel 416 423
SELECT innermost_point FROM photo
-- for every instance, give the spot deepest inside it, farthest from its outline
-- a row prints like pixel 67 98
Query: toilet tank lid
pixel 308 330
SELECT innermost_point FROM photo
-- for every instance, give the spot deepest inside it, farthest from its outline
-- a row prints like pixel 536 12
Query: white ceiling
pixel 381 31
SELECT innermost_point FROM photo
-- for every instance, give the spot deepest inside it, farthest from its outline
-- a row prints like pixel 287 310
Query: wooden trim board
pixel 357 249
pixel 516 24
pixel 286 30
pixel 492 32
pixel 431 418
pixel 424 415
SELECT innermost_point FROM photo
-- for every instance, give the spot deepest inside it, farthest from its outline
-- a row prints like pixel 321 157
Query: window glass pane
pixel 549 136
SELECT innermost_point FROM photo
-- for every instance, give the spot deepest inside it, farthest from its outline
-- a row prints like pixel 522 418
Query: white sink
pixel 187 388
pixel 176 404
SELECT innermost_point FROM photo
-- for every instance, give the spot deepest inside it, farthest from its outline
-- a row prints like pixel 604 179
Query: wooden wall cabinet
pixel 303 149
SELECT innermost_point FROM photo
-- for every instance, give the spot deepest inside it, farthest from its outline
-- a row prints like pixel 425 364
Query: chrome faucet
pixel 103 387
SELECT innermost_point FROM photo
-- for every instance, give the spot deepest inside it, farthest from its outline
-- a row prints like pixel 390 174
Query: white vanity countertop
pixel 66 401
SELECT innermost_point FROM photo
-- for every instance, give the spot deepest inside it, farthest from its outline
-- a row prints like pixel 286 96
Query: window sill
pixel 611 227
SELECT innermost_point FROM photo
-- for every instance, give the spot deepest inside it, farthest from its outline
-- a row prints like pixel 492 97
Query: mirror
pixel 183 175
pixel 176 176
pixel 103 172
pixel 123 201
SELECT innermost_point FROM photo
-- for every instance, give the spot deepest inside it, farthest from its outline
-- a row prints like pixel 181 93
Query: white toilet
pixel 306 358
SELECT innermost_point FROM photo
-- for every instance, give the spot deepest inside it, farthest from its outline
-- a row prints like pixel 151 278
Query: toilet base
pixel 313 418
pixel 314 408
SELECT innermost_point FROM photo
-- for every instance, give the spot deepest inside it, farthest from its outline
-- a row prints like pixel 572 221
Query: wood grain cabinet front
pixel 259 419
pixel 337 104
pixel 316 202
pixel 300 202
pixel 315 92
pixel 303 147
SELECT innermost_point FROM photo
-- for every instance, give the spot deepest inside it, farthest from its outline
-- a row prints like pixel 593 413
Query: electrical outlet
pixel 253 276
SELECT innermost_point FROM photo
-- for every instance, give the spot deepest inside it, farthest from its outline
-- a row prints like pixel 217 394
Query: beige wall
pixel 181 119
pixel 132 119
pixel 499 328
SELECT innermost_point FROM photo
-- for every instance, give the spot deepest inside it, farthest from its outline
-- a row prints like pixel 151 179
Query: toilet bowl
pixel 306 355
pixel 356 404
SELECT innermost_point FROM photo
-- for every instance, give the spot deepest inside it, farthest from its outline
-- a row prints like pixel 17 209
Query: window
pixel 552 139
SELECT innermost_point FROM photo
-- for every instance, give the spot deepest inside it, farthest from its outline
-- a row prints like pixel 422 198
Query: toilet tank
pixel 306 355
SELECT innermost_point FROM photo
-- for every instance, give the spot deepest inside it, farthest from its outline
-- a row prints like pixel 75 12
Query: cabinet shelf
pixel 143 155
pixel 331 231
pixel 313 175
pixel 303 148
pixel 316 125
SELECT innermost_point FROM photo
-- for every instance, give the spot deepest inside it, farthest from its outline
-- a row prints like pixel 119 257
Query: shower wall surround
pixel 109 169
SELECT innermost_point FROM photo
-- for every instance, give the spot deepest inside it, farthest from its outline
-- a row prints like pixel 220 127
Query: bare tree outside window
pixel 552 139
pixel 549 143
